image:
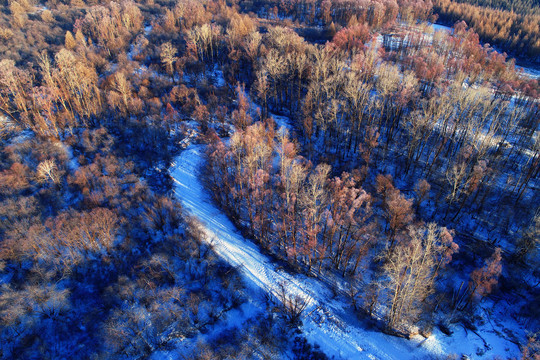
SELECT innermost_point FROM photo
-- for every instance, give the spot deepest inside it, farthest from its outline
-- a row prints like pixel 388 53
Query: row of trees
pixel 324 224
pixel 376 13
pixel 308 217
pixel 69 97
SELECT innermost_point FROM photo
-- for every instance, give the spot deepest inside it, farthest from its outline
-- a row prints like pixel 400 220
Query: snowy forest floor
pixel 328 321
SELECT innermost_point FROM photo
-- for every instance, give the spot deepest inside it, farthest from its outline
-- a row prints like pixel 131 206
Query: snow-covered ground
pixel 530 72
pixel 439 27
pixel 327 321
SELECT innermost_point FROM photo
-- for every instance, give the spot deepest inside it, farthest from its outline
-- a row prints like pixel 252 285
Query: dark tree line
pixel 524 7
pixel 515 32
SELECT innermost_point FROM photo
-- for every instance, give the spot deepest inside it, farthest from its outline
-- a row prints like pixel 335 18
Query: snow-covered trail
pixel 324 322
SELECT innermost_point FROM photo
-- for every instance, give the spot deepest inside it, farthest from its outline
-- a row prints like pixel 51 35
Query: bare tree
pixel 168 57
pixel 484 279
pixel 291 305
pixel 47 171
pixel 412 268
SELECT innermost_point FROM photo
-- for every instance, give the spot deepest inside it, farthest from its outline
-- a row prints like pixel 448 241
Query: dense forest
pixel 519 6
pixel 512 26
pixel 396 165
